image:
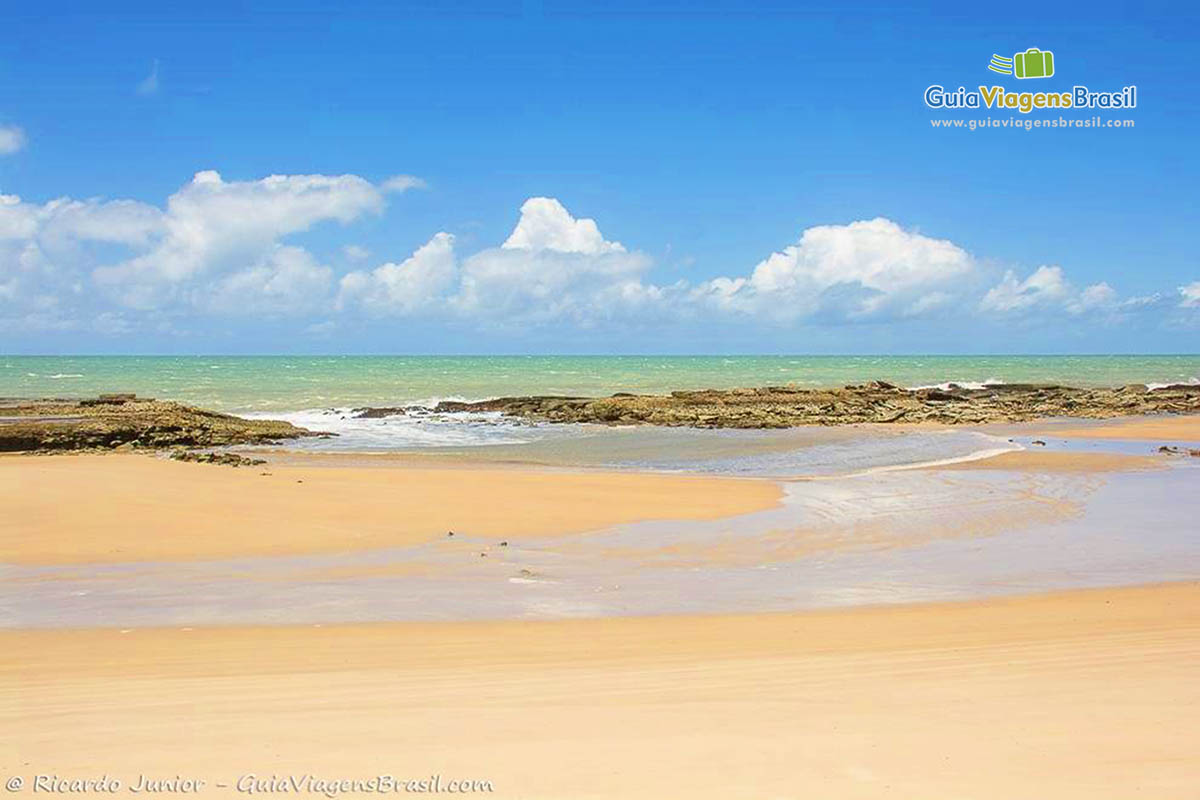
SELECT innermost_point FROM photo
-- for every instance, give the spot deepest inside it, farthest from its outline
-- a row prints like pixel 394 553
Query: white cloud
pixel 546 225
pixel 863 269
pixel 211 226
pixel 1047 289
pixel 405 288
pixel 149 85
pixel 63 220
pixel 551 267
pixel 1190 294
pixel 287 281
pixel 12 139
pixel 402 183
pixel 218 247
pixel 45 250
pixel 125 222
pixel 554 266
pixel 1098 295
pixel 1046 286
pixel 222 248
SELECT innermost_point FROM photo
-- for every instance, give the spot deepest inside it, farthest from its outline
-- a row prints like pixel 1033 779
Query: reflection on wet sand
pixel 1042 518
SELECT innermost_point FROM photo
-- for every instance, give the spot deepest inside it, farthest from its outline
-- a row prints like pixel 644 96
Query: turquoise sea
pixel 296 383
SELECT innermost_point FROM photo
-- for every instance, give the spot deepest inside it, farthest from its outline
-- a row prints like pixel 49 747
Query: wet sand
pixel 1168 429
pixel 121 508
pixel 1050 461
pixel 1079 694
pixel 1086 694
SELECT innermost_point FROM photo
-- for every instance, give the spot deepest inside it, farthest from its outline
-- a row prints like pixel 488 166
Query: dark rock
pixel 111 399
pixel 782 407
pixel 378 413
pixel 49 425
pixel 1179 451
pixel 224 459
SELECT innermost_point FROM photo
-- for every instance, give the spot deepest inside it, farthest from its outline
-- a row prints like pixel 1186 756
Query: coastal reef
pixel 786 406
pixel 124 420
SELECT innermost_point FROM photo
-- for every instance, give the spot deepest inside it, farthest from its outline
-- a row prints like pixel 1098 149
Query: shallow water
pixel 764 453
pixel 875 537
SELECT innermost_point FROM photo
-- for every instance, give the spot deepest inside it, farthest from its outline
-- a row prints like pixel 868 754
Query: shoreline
pixel 125 421
pixel 297 501
pixel 595 633
pixel 129 540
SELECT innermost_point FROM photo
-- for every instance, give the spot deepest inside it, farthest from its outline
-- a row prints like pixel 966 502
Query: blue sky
pixel 700 137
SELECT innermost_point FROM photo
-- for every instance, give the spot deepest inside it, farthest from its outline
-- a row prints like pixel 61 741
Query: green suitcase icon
pixel 1034 63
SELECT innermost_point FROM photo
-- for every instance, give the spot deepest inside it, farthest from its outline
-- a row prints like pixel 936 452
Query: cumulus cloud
pixel 415 284
pixel 287 281
pixel 551 267
pixel 220 247
pixel 64 220
pixel 1098 295
pixel 1045 286
pixel 212 225
pixel 554 266
pixel 868 268
pixel 45 250
pixel 1047 289
pixel 217 247
pixel 12 139
pixel 546 225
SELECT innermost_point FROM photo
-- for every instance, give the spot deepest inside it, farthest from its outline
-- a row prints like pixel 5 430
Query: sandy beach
pixel 599 401
pixel 119 507
pixel 1087 694
pixel 1170 429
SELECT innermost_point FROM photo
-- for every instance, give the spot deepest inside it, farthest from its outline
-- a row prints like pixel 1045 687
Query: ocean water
pixel 320 392
pixel 302 383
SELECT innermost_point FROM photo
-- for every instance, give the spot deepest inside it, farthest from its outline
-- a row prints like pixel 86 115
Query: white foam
pixel 416 429
pixel 1193 381
pixel 948 385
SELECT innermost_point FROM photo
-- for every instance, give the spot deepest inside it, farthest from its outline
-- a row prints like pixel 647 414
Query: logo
pixel 1030 63
pixel 1033 63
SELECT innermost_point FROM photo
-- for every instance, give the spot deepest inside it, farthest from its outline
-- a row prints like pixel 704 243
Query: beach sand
pixel 130 507
pixel 1082 694
pixel 1050 461
pixel 1163 429
pixel 1085 694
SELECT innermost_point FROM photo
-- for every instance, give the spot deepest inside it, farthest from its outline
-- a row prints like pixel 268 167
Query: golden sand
pixel 103 508
pixel 1088 694
pixel 1168 429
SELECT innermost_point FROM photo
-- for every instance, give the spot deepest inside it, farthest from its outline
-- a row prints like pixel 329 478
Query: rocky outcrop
pixel 1172 450
pixel 379 412
pixel 124 420
pixel 223 459
pixel 785 406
